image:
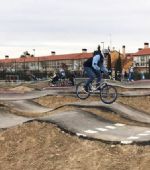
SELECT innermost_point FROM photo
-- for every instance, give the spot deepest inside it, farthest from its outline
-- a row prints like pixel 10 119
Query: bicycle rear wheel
pixel 50 83
pixel 81 92
pixel 108 94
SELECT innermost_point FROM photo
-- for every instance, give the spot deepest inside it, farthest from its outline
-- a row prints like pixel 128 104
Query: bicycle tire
pixel 80 91
pixel 108 94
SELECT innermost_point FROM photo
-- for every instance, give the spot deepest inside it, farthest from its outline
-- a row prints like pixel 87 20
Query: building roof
pixel 145 51
pixel 75 56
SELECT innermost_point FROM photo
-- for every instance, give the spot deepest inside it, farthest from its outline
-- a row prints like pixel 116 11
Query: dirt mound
pixel 21 89
pixel 142 103
pixel 56 101
pixel 39 85
pixel 43 146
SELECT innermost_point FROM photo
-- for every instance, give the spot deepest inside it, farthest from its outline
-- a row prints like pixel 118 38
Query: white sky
pixel 67 26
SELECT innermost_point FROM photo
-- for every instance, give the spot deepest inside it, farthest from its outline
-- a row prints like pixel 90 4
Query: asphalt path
pixel 121 109
pixel 66 91
pixel 29 106
pixel 140 84
pixel 8 120
pixel 135 93
pixel 87 125
pixel 130 85
pixel 34 94
pixel 25 106
pixel 82 123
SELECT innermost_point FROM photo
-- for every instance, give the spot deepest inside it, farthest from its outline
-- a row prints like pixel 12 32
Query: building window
pixel 142 64
pixel 142 58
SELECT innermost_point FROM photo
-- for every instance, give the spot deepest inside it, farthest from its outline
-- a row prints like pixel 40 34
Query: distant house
pixel 141 59
pixel 46 63
pixel 74 61
pixel 53 61
pixel 126 58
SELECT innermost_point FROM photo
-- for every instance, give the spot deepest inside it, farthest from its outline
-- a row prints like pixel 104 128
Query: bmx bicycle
pixel 60 83
pixel 108 93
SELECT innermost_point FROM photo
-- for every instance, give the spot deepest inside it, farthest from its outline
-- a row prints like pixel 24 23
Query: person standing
pixel 131 72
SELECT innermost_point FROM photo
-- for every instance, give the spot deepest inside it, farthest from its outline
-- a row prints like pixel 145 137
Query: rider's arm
pixel 95 61
pixel 104 69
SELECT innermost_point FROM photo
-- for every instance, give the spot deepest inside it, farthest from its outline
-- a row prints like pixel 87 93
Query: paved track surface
pixel 123 110
pixel 33 94
pixel 82 123
pixel 70 91
pixel 88 125
pixel 135 93
pixel 8 120
pixel 131 85
pixel 79 122
pixel 26 106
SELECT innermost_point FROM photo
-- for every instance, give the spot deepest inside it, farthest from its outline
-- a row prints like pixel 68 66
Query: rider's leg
pixel 91 75
pixel 99 77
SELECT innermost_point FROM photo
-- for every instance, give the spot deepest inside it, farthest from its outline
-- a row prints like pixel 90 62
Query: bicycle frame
pixel 108 93
pixel 96 86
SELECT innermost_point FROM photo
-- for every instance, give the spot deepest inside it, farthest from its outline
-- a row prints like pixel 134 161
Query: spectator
pixel 131 72
pixel 142 76
pixel 125 75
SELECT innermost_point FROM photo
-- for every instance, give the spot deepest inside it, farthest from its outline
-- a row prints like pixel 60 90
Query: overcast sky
pixel 67 26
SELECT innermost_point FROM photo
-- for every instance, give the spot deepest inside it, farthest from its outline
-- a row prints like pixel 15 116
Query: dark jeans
pixel 92 74
pixel 130 76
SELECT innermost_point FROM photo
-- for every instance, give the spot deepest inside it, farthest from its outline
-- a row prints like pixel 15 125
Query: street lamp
pixel 103 44
pixel 34 52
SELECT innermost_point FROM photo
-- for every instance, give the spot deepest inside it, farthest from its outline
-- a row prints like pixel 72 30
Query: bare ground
pixel 43 146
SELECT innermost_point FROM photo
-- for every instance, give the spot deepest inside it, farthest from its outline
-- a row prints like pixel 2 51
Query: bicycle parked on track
pixel 108 93
pixel 60 83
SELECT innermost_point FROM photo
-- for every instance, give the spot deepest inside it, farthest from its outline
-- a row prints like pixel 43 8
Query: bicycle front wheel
pixel 108 94
pixel 81 92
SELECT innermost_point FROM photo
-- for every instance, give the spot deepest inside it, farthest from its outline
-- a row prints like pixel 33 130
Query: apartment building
pixel 141 59
pixel 45 63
